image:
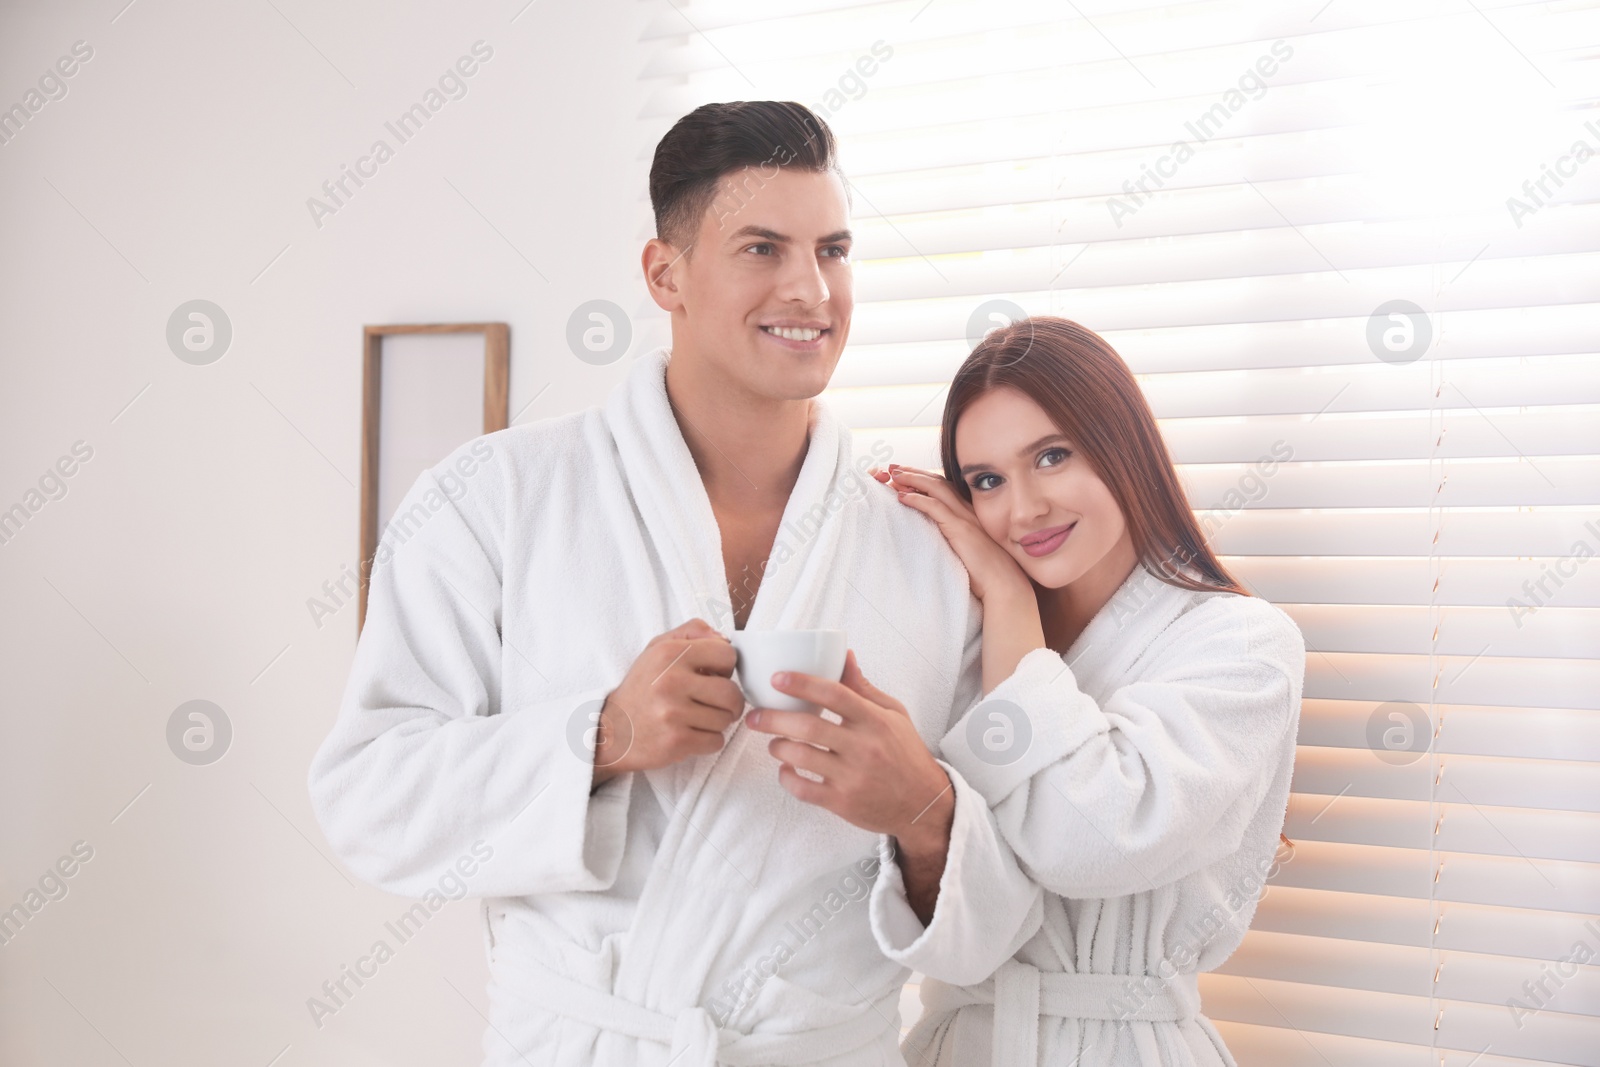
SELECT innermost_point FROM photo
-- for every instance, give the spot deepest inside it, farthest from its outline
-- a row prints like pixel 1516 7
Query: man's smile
pixel 797 335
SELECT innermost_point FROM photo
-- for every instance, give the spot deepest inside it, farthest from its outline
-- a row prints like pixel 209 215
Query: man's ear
pixel 664 273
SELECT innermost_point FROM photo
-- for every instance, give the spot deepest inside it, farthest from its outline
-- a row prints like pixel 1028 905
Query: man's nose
pixel 803 282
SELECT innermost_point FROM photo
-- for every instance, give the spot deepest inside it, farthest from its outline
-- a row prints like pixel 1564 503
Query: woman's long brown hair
pixel 1092 397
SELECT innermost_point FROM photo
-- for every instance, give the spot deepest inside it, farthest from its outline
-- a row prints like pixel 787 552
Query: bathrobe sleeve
pixel 424 766
pixel 988 907
pixel 1160 780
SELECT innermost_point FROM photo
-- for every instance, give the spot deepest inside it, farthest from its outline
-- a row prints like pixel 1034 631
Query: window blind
pixel 1352 251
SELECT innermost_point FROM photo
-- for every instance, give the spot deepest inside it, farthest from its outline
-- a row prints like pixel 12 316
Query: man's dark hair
pixel 714 139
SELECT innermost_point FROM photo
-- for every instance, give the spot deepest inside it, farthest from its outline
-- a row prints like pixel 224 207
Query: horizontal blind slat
pixel 1487 679
pixel 1380 968
pixel 1282 1046
pixel 1551 885
pixel 1487 928
pixel 1521 531
pixel 1543 833
pixel 1404 772
pixel 1365 580
pixel 1549 632
pixel 1463 729
pixel 1468 1028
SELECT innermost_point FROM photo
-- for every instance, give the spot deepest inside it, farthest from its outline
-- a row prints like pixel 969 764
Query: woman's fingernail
pixel 755 718
pixel 781 678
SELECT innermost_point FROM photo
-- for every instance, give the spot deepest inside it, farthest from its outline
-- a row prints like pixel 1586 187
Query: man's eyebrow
pixel 1023 451
pixel 783 238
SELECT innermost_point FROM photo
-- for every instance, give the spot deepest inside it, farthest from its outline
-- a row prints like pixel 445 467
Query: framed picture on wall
pixel 426 389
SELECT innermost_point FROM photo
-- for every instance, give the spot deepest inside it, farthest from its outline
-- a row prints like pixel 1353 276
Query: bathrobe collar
pixel 672 500
pixel 1141 608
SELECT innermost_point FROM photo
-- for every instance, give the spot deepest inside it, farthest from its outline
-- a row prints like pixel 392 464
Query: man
pixel 538 703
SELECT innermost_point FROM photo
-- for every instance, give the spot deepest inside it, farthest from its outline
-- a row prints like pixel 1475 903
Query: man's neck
pixel 748 449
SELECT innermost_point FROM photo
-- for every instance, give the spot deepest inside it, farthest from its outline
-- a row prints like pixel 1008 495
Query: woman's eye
pixel 978 482
pixel 1063 453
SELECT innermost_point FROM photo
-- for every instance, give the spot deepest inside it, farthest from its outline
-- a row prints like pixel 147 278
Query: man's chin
pixel 791 375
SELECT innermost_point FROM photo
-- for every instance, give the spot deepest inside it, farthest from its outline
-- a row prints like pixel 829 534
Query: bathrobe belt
pixel 1022 993
pixel 692 1034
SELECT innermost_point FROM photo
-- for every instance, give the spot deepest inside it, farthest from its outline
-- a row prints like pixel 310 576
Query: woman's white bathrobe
pixel 528 570
pixel 1147 802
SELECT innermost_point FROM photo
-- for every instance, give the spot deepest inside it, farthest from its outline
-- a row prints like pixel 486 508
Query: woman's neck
pixel 1066 612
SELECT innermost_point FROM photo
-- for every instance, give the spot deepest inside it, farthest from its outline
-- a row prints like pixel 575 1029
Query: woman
pixel 1138 730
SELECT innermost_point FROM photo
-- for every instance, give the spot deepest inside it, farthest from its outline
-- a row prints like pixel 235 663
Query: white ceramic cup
pixel 761 653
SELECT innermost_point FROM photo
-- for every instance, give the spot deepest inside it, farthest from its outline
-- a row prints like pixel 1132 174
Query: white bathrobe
pixel 531 568
pixel 1144 790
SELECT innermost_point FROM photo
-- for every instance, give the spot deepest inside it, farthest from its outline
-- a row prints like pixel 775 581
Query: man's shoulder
pixel 911 541
pixel 920 594
pixel 485 475
pixel 529 447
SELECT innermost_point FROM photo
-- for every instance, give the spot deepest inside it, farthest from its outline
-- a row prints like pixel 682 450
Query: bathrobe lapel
pixel 723 810
pixel 1124 629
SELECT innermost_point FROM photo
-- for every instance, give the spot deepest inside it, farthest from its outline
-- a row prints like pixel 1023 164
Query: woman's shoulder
pixel 1249 623
pixel 1228 642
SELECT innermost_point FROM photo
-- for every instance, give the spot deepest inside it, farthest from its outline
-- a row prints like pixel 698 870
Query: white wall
pixel 219 498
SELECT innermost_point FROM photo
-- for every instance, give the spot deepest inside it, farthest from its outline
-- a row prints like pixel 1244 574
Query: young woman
pixel 1138 729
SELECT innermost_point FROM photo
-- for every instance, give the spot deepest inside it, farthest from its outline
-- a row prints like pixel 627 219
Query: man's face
pixel 771 258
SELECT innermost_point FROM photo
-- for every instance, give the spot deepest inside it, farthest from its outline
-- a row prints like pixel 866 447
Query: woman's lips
pixel 1055 539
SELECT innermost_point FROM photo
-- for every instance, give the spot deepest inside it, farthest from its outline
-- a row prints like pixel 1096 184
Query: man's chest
pixel 747 541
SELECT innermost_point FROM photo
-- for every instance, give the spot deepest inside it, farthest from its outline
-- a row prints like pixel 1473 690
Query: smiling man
pixel 538 673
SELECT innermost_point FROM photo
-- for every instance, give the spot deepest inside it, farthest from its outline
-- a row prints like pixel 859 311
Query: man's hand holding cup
pixel 675 702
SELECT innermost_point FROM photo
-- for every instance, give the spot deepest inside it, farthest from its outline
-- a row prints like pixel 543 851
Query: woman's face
pixel 1034 493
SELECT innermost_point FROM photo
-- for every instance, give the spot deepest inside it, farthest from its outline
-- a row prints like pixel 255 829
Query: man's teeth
pixel 793 334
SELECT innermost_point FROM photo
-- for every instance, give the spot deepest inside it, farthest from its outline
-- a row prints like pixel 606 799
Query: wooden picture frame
pixel 496 411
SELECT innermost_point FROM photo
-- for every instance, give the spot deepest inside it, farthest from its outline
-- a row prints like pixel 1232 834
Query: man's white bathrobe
pixel 1146 798
pixel 531 568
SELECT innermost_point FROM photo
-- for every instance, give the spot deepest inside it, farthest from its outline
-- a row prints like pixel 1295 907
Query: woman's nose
pixel 1027 503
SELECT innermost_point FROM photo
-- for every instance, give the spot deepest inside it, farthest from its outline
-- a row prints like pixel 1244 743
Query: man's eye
pixel 764 244
pixel 843 253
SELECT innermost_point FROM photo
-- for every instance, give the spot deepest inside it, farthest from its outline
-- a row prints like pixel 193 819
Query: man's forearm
pixel 922 851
